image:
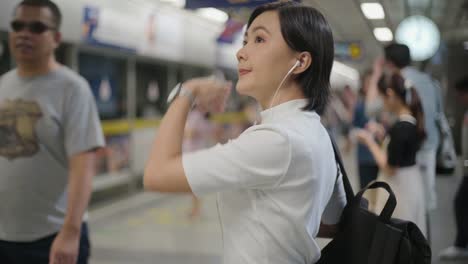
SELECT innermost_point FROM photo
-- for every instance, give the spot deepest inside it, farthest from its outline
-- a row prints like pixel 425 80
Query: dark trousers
pixel 461 214
pixel 367 173
pixel 37 252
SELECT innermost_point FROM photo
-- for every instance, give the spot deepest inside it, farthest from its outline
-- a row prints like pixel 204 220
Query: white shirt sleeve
pixel 257 159
pixel 336 204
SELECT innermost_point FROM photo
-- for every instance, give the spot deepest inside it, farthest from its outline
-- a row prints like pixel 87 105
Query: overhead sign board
pixel 348 50
pixel 156 34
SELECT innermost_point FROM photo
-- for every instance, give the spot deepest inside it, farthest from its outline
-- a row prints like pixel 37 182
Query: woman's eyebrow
pixel 257 28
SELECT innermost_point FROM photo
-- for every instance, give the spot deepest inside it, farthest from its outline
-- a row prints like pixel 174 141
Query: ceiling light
pixel 383 34
pixel 421 35
pixel 213 14
pixel 373 10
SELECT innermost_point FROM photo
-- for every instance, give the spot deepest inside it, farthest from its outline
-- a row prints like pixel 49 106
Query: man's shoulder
pixel 71 82
pixel 421 80
pixel 71 77
pixel 413 74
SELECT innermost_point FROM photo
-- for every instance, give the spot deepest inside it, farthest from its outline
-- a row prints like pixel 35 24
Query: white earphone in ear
pixel 298 63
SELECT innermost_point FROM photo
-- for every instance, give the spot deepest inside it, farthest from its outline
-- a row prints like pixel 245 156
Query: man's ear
pixel 57 39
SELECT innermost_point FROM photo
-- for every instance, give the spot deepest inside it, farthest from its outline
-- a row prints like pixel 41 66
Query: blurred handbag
pixel 366 238
pixel 446 160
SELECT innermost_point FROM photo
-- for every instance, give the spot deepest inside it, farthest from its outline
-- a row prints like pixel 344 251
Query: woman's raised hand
pixel 210 94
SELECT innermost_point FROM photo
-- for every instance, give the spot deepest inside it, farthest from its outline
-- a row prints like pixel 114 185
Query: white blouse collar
pixel 408 118
pixel 277 111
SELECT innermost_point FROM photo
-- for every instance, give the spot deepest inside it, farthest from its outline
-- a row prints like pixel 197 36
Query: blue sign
pixel 348 50
pixel 193 4
pixel 90 23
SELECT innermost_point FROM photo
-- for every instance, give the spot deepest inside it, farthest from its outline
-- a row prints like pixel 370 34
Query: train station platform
pixel 154 228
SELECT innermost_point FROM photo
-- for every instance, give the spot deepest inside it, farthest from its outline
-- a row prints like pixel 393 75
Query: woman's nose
pixel 241 54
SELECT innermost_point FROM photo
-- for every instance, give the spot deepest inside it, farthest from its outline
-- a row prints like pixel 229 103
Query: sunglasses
pixel 35 27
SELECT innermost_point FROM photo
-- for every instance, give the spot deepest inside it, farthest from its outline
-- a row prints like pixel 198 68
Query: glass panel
pixel 107 78
pixel 151 90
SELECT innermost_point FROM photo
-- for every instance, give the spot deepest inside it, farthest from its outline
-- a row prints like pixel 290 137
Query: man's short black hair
pixel 398 54
pixel 54 9
pixel 462 85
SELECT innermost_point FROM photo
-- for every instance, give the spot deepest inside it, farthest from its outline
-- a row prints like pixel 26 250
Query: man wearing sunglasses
pixel 49 131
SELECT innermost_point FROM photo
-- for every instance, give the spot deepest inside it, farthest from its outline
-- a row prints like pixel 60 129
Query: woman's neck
pixel 404 111
pixel 285 94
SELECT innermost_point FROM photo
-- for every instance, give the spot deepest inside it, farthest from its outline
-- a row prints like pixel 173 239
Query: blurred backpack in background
pixel 446 160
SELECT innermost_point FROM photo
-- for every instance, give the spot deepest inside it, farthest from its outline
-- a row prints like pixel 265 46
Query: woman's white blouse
pixel 275 184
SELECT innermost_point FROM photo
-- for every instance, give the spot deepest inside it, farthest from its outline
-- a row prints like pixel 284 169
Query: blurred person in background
pixel 460 248
pixel 397 160
pixel 277 182
pixel 49 131
pixel 397 61
pixel 349 99
pixel 336 116
pixel 367 167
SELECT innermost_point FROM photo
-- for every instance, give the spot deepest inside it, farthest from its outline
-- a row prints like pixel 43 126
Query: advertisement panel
pixel 193 4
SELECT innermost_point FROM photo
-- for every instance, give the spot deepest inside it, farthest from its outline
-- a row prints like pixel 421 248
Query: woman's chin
pixel 242 88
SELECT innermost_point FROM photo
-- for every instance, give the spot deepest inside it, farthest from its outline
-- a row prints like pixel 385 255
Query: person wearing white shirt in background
pixel 277 182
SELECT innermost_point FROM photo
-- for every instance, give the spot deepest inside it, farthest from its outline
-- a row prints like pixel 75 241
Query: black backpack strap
pixel 391 203
pixel 347 185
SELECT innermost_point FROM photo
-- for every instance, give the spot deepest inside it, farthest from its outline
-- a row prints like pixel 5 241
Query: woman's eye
pixel 259 40
pixel 244 42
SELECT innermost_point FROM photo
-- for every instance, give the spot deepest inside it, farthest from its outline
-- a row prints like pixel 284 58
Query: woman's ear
pixel 305 60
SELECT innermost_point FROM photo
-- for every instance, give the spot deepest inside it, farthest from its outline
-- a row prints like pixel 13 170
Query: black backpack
pixel 366 238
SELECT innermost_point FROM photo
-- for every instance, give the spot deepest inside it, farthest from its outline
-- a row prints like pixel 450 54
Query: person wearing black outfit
pixel 368 169
pixel 398 163
pixel 460 249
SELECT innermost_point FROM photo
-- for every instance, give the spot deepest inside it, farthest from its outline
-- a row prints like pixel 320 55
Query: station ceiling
pixel 349 23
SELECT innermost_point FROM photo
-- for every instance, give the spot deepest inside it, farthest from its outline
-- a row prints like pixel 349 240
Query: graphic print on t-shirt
pixel 18 120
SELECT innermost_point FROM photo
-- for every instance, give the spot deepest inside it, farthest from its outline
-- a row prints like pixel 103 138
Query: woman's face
pixel 265 58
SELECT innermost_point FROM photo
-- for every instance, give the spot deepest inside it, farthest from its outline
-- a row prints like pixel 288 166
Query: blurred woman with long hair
pixel 397 163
